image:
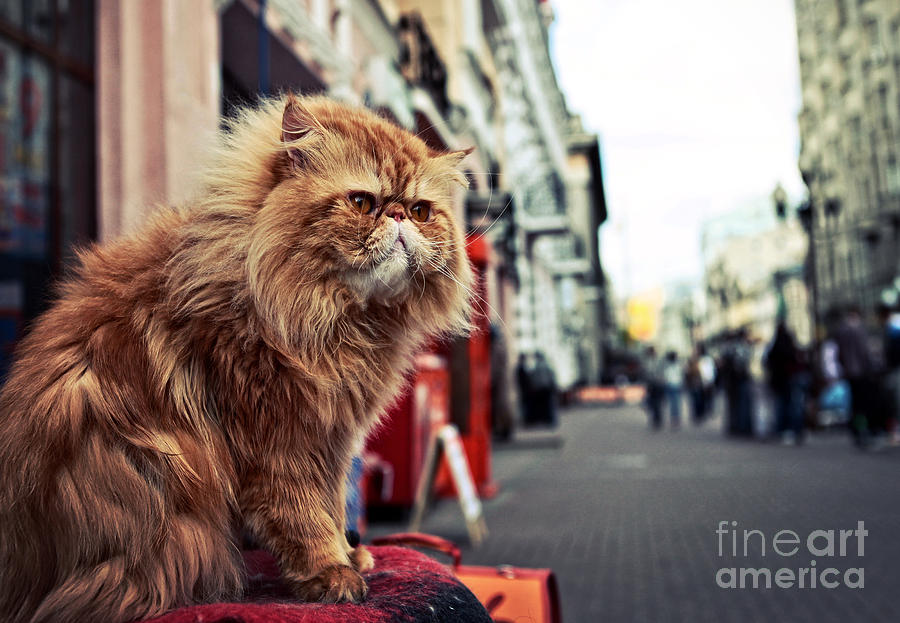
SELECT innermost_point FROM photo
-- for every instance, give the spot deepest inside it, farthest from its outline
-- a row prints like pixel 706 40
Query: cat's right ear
pixel 299 128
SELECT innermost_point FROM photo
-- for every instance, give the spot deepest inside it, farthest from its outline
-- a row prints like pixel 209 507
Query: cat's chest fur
pixel 336 389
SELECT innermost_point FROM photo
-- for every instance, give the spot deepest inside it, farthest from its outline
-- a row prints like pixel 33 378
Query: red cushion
pixel 405 585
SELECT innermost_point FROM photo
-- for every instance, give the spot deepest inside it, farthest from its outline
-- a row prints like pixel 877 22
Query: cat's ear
pixel 299 127
pixel 452 160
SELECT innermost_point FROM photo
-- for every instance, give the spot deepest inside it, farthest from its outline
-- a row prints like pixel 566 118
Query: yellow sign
pixel 643 316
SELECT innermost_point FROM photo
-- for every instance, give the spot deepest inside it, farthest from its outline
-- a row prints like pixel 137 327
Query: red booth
pixel 402 440
pixel 470 380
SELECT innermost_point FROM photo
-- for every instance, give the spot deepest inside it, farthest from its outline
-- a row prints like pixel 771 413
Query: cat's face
pixel 365 206
pixel 382 218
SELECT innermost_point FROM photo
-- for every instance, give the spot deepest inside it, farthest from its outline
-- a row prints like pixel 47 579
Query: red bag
pixel 510 594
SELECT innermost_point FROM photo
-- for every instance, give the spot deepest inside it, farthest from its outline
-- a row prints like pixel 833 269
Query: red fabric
pixel 405 586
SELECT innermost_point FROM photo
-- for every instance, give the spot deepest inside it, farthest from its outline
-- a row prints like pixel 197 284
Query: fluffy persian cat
pixel 212 372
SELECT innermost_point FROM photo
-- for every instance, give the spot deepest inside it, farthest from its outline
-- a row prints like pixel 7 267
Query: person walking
pixel 833 407
pixel 700 378
pixel 738 384
pixel 856 362
pixel 543 388
pixel 890 316
pixel 502 419
pixel 523 384
pixel 653 387
pixel 673 379
pixel 708 373
pixel 694 385
pixel 783 365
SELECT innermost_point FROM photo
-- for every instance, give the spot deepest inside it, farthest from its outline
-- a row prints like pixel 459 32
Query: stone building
pixel 850 133
pixel 753 277
pixel 106 105
pixel 586 206
pixel 551 259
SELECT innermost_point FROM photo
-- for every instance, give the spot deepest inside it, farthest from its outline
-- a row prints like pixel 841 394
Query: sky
pixel 696 104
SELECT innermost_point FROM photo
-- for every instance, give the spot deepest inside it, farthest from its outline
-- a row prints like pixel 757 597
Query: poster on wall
pixel 34 115
pixel 8 185
pixel 24 153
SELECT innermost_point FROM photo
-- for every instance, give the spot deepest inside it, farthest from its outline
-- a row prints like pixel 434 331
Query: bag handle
pixel 426 541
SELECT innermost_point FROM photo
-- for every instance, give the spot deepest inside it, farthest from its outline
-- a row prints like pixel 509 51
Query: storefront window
pixel 47 154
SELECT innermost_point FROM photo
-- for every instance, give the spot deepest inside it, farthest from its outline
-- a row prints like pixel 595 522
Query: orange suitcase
pixel 510 594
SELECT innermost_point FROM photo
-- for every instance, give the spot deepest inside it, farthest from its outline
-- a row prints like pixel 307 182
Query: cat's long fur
pixel 212 372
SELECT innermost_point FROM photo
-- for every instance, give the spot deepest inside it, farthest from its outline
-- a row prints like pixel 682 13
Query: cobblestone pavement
pixel 627 518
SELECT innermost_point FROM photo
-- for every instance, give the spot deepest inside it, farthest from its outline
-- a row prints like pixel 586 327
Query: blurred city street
pixel 669 202
pixel 627 519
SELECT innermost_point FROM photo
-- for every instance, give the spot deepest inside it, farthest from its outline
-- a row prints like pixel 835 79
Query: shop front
pixel 47 152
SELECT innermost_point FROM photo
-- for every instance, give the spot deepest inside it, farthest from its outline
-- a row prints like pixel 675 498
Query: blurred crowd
pixel 850 378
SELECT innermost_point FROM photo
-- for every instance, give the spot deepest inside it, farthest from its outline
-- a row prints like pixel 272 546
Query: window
pixel 872 33
pixel 893 175
pixel 841 13
pixel 883 104
pixel 47 156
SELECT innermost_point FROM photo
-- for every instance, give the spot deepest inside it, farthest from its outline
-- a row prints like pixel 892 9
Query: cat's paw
pixel 332 585
pixel 361 559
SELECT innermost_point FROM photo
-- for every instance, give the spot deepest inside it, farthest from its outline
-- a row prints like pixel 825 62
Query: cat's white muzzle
pixel 389 275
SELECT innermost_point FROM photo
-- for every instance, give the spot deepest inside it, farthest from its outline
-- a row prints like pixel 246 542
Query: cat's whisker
pixel 422 272
pixel 475 297
pixel 356 257
pixel 491 226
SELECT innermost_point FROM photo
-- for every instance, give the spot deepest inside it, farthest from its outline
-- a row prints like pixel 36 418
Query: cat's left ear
pixel 452 160
pixel 299 128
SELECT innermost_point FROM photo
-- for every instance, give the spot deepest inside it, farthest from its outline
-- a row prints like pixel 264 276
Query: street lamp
pixel 806 214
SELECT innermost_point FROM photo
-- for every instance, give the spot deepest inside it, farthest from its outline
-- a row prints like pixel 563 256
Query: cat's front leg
pixel 291 516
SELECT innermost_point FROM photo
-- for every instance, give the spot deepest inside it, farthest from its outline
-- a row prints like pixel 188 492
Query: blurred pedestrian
pixel 700 377
pixel 890 317
pixel 784 369
pixel 708 377
pixel 673 379
pixel 653 387
pixel 834 399
pixel 543 391
pixel 694 386
pixel 738 384
pixel 856 361
pixel 501 391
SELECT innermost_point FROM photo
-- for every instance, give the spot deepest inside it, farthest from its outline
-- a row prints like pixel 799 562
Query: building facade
pixel 753 280
pixel 552 260
pixel 850 154
pixel 107 105
pixel 586 206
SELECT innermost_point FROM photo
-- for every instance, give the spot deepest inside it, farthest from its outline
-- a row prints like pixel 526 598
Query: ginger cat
pixel 212 372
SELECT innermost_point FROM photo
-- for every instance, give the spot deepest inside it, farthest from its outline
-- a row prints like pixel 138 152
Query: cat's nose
pixel 395 211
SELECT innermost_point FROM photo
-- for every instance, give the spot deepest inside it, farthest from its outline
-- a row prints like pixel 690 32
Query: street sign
pixel 447 445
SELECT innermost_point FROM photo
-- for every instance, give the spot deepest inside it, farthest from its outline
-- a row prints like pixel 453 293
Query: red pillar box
pixel 401 441
pixel 470 371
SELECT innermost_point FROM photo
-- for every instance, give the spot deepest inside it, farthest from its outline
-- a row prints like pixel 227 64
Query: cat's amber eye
pixel 362 202
pixel 420 211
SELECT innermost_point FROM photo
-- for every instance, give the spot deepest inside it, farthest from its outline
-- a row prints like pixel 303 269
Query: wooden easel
pixel 447 445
